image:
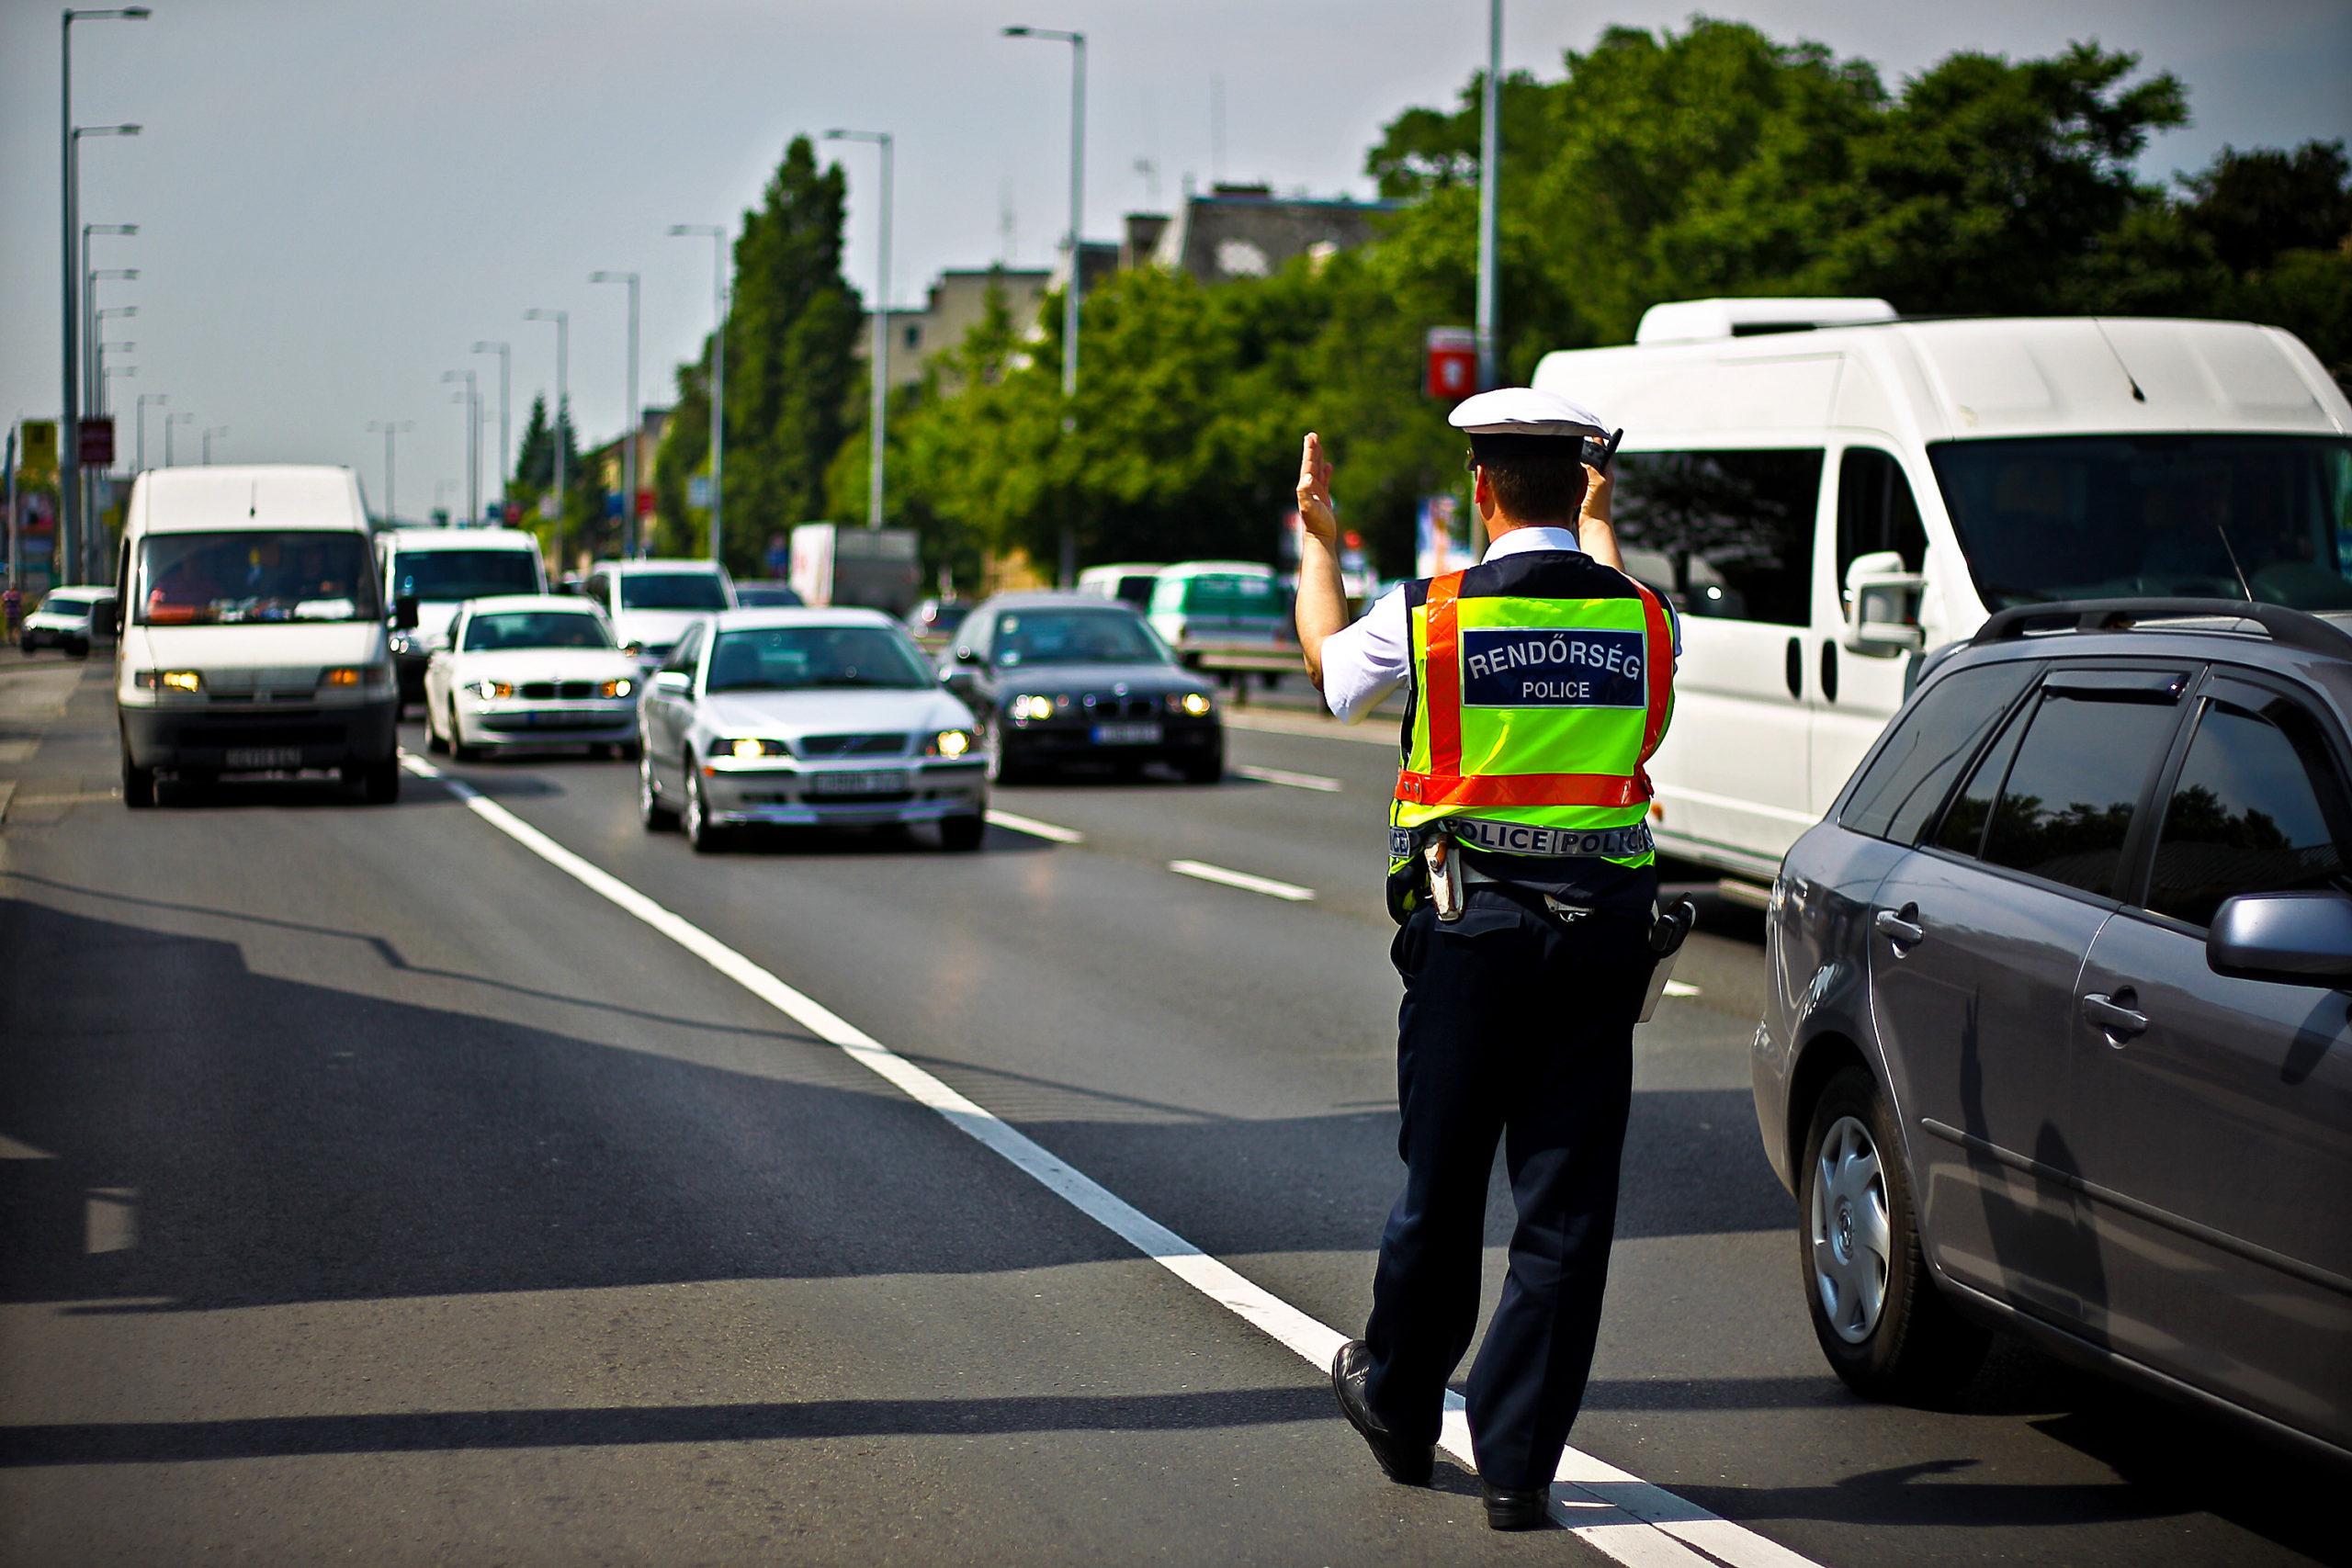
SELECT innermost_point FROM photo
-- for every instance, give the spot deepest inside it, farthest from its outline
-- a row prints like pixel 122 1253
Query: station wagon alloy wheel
pixel 1850 1231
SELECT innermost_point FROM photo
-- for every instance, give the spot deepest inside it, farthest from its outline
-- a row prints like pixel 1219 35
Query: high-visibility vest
pixel 1542 683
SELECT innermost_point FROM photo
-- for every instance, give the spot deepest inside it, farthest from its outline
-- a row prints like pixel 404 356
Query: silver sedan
pixel 805 717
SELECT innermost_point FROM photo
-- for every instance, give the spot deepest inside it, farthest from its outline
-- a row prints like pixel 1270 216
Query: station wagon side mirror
pixel 674 682
pixel 1883 607
pixel 966 654
pixel 2299 939
pixel 404 613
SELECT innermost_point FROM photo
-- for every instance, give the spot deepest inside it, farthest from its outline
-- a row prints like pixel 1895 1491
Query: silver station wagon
pixel 2057 1041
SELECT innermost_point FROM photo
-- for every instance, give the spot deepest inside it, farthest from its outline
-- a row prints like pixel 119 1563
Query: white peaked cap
pixel 1523 411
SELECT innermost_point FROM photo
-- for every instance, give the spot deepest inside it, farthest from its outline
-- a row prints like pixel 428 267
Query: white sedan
pixel 811 717
pixel 530 670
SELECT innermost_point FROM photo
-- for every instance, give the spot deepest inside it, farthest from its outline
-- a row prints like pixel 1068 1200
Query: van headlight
pixel 170 679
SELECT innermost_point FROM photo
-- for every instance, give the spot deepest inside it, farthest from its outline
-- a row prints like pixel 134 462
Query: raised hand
pixel 1315 492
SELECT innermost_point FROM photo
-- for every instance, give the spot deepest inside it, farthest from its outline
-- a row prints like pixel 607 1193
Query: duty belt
pixel 1523 838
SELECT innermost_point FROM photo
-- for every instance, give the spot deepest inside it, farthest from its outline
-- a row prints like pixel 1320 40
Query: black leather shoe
pixel 1516 1510
pixel 1407 1464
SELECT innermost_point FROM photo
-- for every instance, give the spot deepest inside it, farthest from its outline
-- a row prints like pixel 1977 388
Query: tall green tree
pixel 791 369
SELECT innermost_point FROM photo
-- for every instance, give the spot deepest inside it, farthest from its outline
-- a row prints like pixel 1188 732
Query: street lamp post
pixel 390 428
pixel 159 399
pixel 628 445
pixel 90 328
pixel 1076 193
pixel 1491 173
pixel 505 419
pixel 105 393
pixel 717 235
pixel 562 320
pixel 474 442
pixel 98 402
pixel 69 425
pixel 878 357
pixel 208 435
pixel 170 420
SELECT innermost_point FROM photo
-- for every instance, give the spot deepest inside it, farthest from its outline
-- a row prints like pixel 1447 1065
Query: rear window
pixel 1911 774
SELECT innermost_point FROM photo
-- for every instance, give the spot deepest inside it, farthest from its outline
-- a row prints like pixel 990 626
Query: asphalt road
pixel 374 1191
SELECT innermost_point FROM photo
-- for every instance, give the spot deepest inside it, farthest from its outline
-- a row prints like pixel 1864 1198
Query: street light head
pixel 535 315
pixel 136 13
pixel 1016 32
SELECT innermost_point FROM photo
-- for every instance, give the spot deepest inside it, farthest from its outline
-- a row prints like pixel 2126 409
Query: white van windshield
pixel 448 575
pixel 2112 516
pixel 257 575
pixel 672 590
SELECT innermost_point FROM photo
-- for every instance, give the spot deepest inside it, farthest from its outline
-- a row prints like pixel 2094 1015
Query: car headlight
pixel 495 689
pixel 619 688
pixel 1199 705
pixel 1028 707
pixel 749 747
pixel 952 743
pixel 170 679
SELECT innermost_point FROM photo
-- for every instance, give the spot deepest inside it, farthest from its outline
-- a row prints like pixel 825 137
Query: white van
pixel 253 637
pixel 1825 492
pixel 440 568
pixel 1128 580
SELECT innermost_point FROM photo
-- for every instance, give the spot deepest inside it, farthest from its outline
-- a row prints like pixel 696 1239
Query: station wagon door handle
pixel 1895 929
pixel 2113 1015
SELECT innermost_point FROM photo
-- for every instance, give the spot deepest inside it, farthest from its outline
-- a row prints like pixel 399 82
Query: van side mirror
pixel 404 613
pixel 1883 607
pixel 2300 939
pixel 114 616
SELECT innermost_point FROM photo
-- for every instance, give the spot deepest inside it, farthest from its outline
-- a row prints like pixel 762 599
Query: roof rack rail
pixel 2290 628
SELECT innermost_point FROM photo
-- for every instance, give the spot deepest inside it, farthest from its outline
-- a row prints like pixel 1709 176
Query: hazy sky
pixel 336 200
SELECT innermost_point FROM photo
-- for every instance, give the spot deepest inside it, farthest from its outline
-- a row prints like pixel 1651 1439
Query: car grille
pixel 1135 705
pixel 590 719
pixel 543 690
pixel 854 745
pixel 263 735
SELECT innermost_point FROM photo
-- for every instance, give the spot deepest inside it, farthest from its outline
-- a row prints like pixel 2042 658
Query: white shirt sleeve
pixel 1363 662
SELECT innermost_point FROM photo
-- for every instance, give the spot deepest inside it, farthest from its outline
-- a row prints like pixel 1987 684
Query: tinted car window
pixel 2067 804
pixel 1911 774
pixel 2258 809
pixel 1074 636
pixel 684 658
pixel 1876 511
pixel 1735 529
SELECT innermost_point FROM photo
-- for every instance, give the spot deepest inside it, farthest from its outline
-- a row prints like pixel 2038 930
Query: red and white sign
pixel 96 448
pixel 1453 362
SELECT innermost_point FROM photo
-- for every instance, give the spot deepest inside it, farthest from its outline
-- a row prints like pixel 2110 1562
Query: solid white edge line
pixel 1617 1513
pixel 1680 988
pixel 1284 777
pixel 1035 828
pixel 1242 880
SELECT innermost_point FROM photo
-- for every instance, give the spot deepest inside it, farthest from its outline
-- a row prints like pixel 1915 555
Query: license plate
pixel 1146 734
pixel 266 757
pixel 878 781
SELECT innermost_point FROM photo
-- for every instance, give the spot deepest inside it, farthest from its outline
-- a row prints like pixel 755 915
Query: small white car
pixel 69 619
pixel 531 670
pixel 809 717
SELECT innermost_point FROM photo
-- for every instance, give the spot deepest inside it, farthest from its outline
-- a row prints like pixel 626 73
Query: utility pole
pixel 390 428
pixel 718 375
pixel 505 422
pixel 1067 573
pixel 562 320
pixel 1490 173
pixel 628 443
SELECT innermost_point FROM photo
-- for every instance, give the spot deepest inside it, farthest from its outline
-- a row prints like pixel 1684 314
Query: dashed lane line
pixel 1619 1514
pixel 1242 880
pixel 1035 828
pixel 1284 777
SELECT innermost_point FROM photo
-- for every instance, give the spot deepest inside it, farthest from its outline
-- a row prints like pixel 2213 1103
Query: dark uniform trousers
pixel 1518 1027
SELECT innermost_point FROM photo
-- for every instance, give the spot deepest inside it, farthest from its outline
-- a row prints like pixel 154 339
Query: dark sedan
pixel 1067 679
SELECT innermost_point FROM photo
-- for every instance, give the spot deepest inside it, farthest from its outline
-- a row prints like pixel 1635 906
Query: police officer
pixel 1522 875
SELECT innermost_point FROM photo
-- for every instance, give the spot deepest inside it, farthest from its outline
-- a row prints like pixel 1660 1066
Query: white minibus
pixel 1825 492
pixel 440 568
pixel 254 636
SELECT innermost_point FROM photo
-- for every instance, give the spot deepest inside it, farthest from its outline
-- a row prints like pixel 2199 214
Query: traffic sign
pixel 41 448
pixel 96 447
pixel 699 491
pixel 1453 362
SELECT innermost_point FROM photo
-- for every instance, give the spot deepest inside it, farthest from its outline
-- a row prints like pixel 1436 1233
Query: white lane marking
pixel 1284 777
pixel 11 1149
pixel 1595 1500
pixel 1242 880
pixel 1035 828
pixel 1680 988
pixel 110 1222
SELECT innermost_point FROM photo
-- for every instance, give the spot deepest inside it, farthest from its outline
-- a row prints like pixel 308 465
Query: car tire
pixel 138 782
pixel 655 816
pixel 379 783
pixel 459 751
pixel 1884 1328
pixel 961 835
pixel 630 750
pixel 706 836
